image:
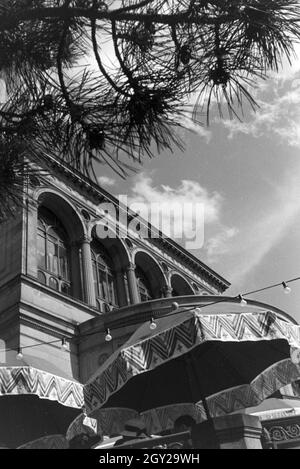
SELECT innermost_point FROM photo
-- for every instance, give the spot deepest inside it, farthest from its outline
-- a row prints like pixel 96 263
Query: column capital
pixel 167 290
pixel 85 239
pixel 130 266
pixel 132 283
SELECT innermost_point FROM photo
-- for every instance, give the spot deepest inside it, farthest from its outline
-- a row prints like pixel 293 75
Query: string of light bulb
pixel 20 350
pixel 175 309
pixel 241 297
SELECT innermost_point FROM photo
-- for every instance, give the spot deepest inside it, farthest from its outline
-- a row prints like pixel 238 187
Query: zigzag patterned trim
pixel 169 344
pixel 105 422
pixel 163 418
pixel 241 397
pixel 82 424
pixel 228 401
pixel 28 380
pixel 47 442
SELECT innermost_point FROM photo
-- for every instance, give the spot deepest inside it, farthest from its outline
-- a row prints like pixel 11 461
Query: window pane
pixel 65 289
pixel 52 262
pixel 42 278
pixel 111 289
pixel 63 262
pixel 103 285
pixel 53 233
pixel 143 286
pixel 52 251
pixel 95 279
pixel 103 274
pixel 41 252
pixel 53 283
pixel 41 225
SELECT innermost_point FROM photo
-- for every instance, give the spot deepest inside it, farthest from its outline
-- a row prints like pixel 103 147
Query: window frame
pixel 143 285
pixel 105 282
pixel 52 233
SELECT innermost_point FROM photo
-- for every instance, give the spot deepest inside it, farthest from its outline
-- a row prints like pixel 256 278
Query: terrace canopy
pixel 219 362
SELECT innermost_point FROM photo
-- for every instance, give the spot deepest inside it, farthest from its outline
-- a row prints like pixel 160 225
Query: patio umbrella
pixel 274 408
pixel 219 362
pixel 37 399
pixel 163 418
pixel 105 422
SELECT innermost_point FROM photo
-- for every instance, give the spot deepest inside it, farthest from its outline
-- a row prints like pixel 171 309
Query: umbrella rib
pixel 192 370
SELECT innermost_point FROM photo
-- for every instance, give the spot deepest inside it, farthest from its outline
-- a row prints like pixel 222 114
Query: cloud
pixel 279 113
pixel 193 207
pixel 218 245
pixel 190 125
pixel 188 191
pixel 235 251
pixel 106 181
pixel 244 250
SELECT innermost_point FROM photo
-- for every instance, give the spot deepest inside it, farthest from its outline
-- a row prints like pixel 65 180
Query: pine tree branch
pixel 11 20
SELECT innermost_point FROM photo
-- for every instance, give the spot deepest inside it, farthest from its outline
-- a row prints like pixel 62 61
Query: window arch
pixel 104 276
pixel 144 286
pixel 180 286
pixel 53 255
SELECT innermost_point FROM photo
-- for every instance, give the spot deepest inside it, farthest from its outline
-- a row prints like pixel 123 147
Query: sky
pixel 247 176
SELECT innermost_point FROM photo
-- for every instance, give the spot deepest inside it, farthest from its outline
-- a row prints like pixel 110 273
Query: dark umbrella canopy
pixel 230 361
pixel 36 399
pixel 205 371
pixel 27 418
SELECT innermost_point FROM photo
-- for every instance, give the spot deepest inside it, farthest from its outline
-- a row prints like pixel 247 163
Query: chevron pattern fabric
pixel 105 422
pixel 28 380
pixel 48 442
pixel 163 418
pixel 250 395
pixel 82 424
pixel 194 330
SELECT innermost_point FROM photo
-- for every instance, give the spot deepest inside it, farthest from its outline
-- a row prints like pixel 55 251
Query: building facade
pixel 57 275
pixel 65 289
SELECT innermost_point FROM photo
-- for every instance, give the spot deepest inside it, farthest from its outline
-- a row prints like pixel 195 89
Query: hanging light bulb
pixel 153 325
pixel 64 345
pixel 19 354
pixel 108 337
pixel 243 302
pixel 287 289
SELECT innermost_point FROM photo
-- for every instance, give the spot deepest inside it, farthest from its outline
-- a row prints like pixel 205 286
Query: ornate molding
pixel 167 247
pixel 284 433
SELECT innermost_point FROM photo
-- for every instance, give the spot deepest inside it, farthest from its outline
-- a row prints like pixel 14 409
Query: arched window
pixel 104 276
pixel 180 286
pixel 53 252
pixel 143 285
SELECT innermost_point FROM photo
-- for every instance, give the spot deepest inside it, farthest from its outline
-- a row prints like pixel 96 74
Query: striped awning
pixel 177 335
pixel 36 376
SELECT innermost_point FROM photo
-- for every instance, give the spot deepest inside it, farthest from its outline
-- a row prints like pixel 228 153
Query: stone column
pixel 29 252
pixel 87 272
pixel 167 291
pixel 121 292
pixel 75 273
pixel 132 284
pixel 237 431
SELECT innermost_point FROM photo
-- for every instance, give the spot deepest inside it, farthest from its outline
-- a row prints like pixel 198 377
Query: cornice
pixel 167 244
